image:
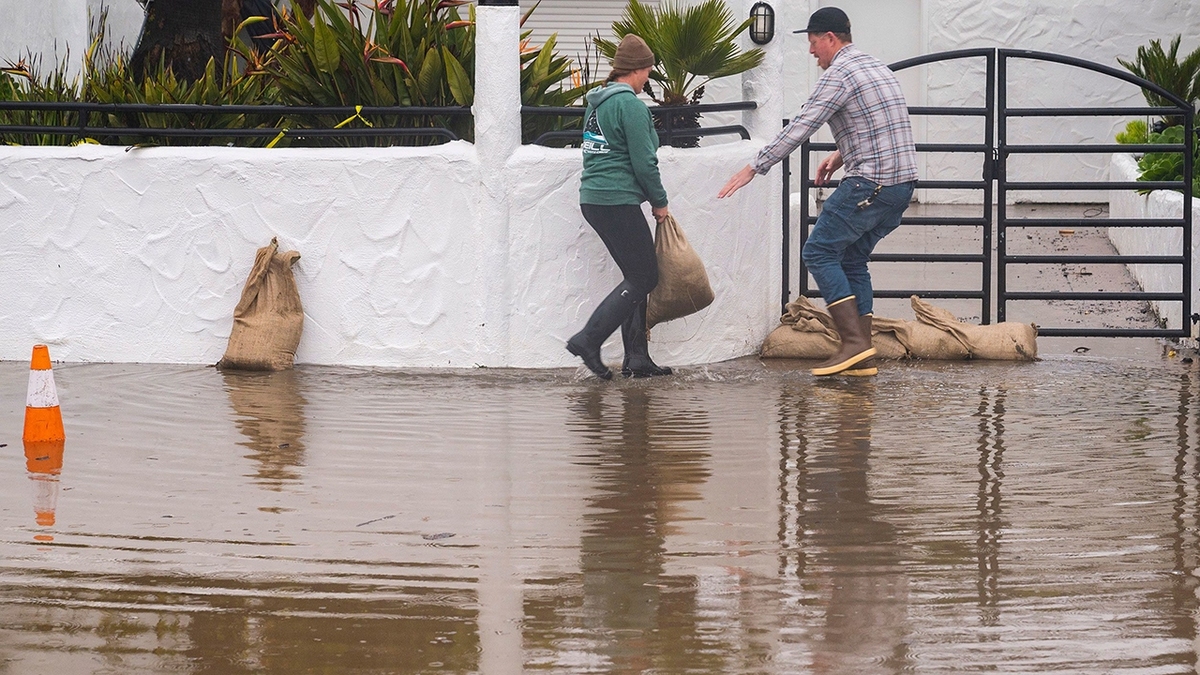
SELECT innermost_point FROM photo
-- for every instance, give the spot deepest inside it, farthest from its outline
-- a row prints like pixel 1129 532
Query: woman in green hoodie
pixel 620 171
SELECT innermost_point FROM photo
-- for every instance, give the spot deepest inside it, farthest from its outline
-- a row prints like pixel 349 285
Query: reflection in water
pixel 648 454
pixel 832 533
pixel 954 518
pixel 1185 513
pixel 270 413
pixel 44 462
pixel 990 523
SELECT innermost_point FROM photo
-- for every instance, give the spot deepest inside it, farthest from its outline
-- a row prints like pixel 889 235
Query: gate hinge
pixel 991 166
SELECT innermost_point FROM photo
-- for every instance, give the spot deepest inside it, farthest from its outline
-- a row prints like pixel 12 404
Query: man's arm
pixel 830 94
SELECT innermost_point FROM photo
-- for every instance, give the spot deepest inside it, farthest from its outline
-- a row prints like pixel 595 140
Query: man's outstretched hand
pixel 740 180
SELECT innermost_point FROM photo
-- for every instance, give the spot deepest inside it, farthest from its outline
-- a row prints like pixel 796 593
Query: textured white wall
pixel 1153 240
pixel 1095 31
pixel 140 256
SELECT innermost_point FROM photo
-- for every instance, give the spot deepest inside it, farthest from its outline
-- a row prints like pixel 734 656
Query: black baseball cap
pixel 827 20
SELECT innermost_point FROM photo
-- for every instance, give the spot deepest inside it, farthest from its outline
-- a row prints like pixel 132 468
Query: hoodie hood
pixel 601 94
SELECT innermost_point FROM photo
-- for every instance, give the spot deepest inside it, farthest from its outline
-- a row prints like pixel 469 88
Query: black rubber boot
pixel 637 361
pixel 611 312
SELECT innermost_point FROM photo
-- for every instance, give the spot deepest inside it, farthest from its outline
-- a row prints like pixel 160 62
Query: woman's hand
pixel 660 213
pixel 825 169
pixel 740 180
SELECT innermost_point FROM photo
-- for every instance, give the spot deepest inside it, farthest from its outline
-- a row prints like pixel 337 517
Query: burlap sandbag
pixel 1007 341
pixel 807 332
pixel 919 341
pixel 268 319
pixel 683 286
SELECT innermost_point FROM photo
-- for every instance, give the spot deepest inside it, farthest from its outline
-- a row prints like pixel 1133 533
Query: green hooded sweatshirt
pixel 620 145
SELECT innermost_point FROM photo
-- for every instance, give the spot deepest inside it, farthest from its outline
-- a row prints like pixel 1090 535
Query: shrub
pixel 1168 166
pixel 23 81
pixel 1164 68
pixel 1135 133
pixel 396 53
pixel 390 53
pixel 693 45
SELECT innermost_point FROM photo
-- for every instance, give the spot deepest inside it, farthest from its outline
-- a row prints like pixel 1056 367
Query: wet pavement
pixel 735 518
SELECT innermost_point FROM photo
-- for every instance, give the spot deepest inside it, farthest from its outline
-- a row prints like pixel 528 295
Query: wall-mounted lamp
pixel 762 23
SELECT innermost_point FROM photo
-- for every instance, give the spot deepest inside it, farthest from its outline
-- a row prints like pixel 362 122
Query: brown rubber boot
pixel 866 368
pixel 856 345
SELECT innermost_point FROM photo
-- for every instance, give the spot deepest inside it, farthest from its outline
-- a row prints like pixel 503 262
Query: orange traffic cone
pixel 43 419
pixel 44 437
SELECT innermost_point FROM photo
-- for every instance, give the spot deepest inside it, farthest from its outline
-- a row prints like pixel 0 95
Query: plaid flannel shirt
pixel 861 99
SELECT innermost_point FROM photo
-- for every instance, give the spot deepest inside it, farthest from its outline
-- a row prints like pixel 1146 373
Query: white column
pixel 497 136
pixel 497 81
pixel 765 84
pixel 497 112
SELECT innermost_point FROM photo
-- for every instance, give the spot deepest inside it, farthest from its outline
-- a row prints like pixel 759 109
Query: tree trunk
pixel 183 35
pixel 307 6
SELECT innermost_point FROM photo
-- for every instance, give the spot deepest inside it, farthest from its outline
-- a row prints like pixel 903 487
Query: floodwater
pixel 736 518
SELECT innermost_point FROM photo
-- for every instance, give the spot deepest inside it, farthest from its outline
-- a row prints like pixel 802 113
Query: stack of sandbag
pixel 808 332
pixel 269 318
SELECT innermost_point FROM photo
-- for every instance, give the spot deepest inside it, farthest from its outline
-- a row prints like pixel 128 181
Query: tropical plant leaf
pixel 693 44
pixel 326 54
pixel 1180 77
pixel 458 79
pixel 429 79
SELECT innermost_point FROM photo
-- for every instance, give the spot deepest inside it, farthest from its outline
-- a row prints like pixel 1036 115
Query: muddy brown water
pixel 736 518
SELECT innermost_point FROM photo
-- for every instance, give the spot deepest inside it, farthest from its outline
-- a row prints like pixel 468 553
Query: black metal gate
pixel 993 150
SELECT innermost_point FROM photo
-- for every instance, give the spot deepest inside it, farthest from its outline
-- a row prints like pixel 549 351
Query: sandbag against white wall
pixel 269 318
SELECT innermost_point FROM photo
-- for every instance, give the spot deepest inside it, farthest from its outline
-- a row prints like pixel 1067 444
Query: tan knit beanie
pixel 633 54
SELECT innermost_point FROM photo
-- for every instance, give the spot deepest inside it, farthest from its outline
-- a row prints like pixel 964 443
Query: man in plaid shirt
pixel 862 101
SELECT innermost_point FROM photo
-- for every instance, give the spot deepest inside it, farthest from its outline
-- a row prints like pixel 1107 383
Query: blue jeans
pixel 841 242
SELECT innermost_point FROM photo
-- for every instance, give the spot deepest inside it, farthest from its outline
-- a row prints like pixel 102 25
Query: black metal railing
pixel 1005 223
pixel 275 122
pixel 664 115
pixel 995 186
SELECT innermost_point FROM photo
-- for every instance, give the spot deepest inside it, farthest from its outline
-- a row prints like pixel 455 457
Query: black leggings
pixel 624 230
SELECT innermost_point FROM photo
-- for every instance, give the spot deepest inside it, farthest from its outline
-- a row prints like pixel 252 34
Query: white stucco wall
pixel 1153 240
pixel 1095 31
pixel 140 256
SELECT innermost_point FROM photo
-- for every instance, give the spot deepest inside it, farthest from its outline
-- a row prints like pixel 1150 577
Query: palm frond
pixel 693 44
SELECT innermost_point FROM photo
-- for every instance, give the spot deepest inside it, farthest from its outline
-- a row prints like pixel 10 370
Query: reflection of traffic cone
pixel 45 498
pixel 43 419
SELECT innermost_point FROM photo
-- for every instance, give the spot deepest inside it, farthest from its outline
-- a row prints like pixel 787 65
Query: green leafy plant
pixel 109 80
pixel 26 83
pixel 388 53
pixel 1181 77
pixel 106 78
pixel 354 53
pixel 693 45
pixel 1136 133
pixel 1168 166
pixel 547 79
